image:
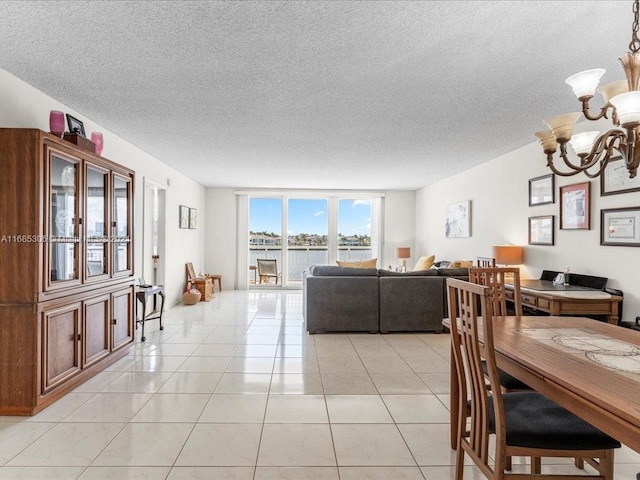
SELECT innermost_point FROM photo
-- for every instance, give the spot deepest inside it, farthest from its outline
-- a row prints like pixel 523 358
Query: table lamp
pixel 403 253
pixel 508 254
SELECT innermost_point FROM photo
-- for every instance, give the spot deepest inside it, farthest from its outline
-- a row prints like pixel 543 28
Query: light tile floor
pixel 235 389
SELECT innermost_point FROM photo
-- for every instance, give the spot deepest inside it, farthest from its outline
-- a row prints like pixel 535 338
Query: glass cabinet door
pixel 96 222
pixel 121 241
pixel 63 219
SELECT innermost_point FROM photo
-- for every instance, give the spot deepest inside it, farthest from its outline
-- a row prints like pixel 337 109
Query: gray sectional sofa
pixel 341 299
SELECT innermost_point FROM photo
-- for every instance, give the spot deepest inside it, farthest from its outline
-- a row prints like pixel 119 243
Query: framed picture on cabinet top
pixel 574 206
pixel 620 227
pixel 184 216
pixel 615 179
pixel 193 218
pixel 75 126
pixel 541 190
pixel 541 230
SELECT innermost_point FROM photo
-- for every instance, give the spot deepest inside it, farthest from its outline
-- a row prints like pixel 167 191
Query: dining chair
pixel 267 269
pixel 485 262
pixel 523 423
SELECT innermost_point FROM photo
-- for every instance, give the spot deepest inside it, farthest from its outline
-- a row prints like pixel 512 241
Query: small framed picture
pixel 458 220
pixel 615 179
pixel 541 230
pixel 574 206
pixel 193 218
pixel 75 125
pixel 184 216
pixel 620 227
pixel 541 190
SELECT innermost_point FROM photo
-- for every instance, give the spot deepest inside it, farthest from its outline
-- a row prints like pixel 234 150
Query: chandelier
pixel 621 100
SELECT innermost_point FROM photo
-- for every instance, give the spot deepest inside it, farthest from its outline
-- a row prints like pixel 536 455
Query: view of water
pixel 301 259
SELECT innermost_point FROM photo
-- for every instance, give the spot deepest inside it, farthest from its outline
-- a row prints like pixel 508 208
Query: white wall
pixel 498 191
pixel 221 230
pixel 26 107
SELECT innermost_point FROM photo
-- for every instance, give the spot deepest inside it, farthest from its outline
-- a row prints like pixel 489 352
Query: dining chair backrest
pixel 466 300
pixel 485 262
pixel 267 267
pixel 495 279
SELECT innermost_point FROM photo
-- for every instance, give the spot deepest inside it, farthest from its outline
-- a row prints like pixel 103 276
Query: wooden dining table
pixel 589 367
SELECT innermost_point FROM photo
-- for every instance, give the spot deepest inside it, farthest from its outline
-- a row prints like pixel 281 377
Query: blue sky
pixel 309 216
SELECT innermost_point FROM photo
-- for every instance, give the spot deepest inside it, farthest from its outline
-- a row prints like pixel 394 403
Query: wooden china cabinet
pixel 66 267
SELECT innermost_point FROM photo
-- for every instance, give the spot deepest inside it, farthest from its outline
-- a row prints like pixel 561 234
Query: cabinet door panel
pixel 61 352
pixel 122 318
pixel 95 330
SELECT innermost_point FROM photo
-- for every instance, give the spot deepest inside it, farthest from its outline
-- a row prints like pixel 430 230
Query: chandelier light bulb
pixel 582 143
pixel 627 106
pixel 562 125
pixel 584 84
pixel 611 89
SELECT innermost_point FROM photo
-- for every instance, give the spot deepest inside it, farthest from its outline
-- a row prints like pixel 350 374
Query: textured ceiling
pixel 340 94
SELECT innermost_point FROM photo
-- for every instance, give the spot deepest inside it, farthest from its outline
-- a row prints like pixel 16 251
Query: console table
pixel 574 300
pixel 143 294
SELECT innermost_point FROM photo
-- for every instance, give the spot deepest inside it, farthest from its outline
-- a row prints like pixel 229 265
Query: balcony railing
pixel 302 257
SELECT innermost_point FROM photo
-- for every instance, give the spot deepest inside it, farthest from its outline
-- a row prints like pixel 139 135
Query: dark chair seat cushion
pixel 509 382
pixel 532 420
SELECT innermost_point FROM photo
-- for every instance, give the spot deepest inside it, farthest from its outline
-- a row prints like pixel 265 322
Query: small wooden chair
pixel 267 269
pixel 524 423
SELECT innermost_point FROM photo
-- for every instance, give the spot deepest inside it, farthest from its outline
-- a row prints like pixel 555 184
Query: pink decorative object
pixel 96 137
pixel 56 123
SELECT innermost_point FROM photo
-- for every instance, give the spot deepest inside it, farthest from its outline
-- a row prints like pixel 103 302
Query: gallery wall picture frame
pixel 615 179
pixel 575 202
pixel 193 218
pixel 458 220
pixel 75 125
pixel 184 216
pixel 542 190
pixel 541 230
pixel 620 227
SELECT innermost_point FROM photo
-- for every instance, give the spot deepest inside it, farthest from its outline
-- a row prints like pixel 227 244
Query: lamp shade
pixel 628 107
pixel 403 252
pixel 585 83
pixel 508 254
pixel 582 143
pixel 562 125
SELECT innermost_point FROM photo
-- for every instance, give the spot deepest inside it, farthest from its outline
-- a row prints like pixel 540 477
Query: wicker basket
pixel 191 298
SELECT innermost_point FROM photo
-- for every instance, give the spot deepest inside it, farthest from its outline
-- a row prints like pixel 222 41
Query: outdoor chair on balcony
pixel 267 269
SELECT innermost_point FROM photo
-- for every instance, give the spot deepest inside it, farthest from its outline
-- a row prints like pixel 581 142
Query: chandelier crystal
pixel 621 101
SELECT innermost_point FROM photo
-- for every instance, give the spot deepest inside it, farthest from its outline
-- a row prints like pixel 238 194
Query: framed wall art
pixel 615 179
pixel 541 190
pixel 620 227
pixel 193 218
pixel 184 216
pixel 541 230
pixel 574 206
pixel 458 220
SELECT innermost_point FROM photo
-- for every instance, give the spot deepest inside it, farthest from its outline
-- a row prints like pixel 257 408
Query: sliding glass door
pixel 298 232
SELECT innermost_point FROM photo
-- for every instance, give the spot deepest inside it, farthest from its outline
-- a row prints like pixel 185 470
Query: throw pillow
pixel 424 263
pixel 461 264
pixel 362 264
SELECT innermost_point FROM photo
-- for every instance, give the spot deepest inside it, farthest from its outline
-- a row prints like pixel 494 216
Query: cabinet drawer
pixel 529 300
pixel 544 304
pixel 509 294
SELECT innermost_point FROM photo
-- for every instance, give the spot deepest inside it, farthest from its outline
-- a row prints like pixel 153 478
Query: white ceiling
pixel 315 94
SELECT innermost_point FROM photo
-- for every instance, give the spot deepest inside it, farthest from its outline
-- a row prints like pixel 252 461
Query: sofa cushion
pixel 424 263
pixel 373 263
pixel 453 272
pixel 415 273
pixel 334 271
pixel 461 264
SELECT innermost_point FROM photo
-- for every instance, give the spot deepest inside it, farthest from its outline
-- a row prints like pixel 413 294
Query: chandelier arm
pixel 588 115
pixel 553 168
pixel 579 168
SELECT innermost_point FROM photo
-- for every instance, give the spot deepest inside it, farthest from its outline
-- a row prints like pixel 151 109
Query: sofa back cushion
pixel 416 273
pixel 333 271
pixel 453 272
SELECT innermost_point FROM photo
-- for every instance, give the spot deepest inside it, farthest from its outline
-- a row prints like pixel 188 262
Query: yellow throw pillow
pixel 461 264
pixel 373 263
pixel 424 263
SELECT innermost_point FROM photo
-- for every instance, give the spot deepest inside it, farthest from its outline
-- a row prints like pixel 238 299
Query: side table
pixel 142 295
